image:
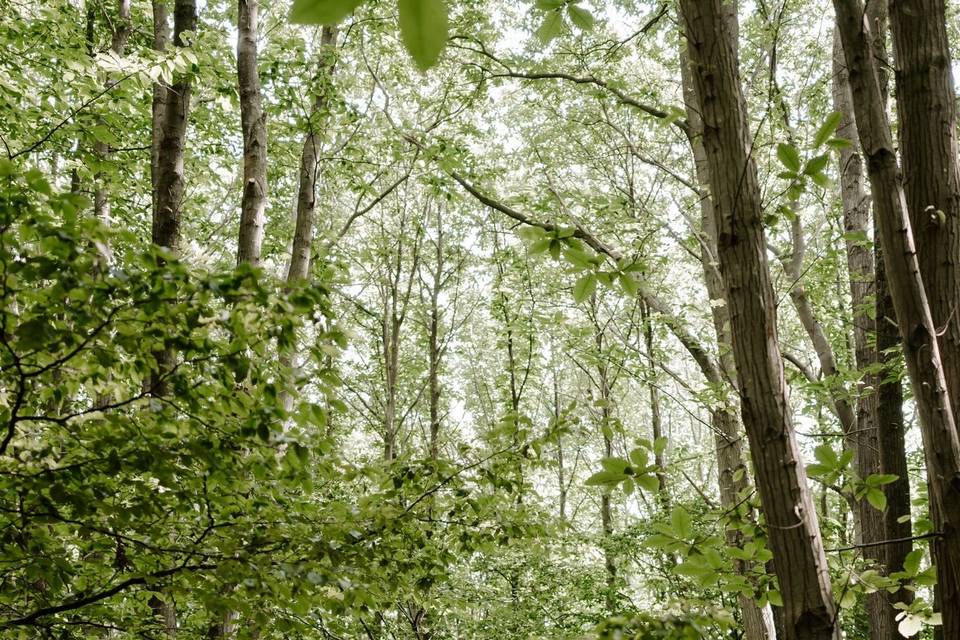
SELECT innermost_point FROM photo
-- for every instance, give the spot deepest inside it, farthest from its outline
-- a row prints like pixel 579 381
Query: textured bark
pixel 173 130
pixel 307 184
pixel 926 102
pixel 781 481
pixel 879 439
pixel 161 38
pixel 917 328
pixel 254 124
pixel 732 477
pixel 168 197
pixel 118 43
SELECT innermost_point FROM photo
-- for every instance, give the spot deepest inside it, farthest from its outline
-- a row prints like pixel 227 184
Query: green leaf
pixel 826 455
pixel 630 286
pixel 639 457
pixel 659 445
pixel 649 483
pixel 789 156
pixel 423 27
pixel 549 5
pixel 541 246
pixel 880 479
pixel 550 29
pixel 816 165
pixel 682 523
pixel 602 478
pixel 580 17
pixel 585 287
pixel 322 11
pixel 877 499
pixel 827 129
pixel 615 465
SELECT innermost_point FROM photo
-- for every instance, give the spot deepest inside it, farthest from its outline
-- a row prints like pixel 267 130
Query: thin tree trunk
pixel 118 43
pixel 790 515
pixel 656 422
pixel 917 328
pixel 168 200
pixel 307 184
pixel 161 37
pixel 173 130
pixel 254 123
pixel 606 509
pixel 299 267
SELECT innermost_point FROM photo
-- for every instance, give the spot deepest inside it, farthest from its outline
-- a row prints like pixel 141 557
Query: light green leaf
pixel 580 17
pixel 423 27
pixel 789 156
pixel 827 129
pixel 602 478
pixel 550 29
pixel 816 165
pixel 585 287
pixel 322 11
pixel 682 523
pixel 649 483
pixel 877 499
pixel 548 5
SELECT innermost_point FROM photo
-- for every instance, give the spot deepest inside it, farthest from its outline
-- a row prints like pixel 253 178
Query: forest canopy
pixel 493 319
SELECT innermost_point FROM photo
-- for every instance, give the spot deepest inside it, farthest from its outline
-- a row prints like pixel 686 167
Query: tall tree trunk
pixel 606 508
pixel 307 183
pixel 917 328
pixel 173 130
pixel 118 43
pixel 926 102
pixel 880 442
pixel 254 123
pixel 161 37
pixel 656 422
pixel 168 201
pixel 791 518
pixel 732 478
pixel 299 267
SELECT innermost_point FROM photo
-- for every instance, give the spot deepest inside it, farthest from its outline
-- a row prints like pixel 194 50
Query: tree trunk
pixel 926 103
pixel 732 478
pixel 168 198
pixel 880 442
pixel 781 481
pixel 307 184
pixel 161 37
pixel 118 43
pixel 906 281
pixel 173 130
pixel 254 123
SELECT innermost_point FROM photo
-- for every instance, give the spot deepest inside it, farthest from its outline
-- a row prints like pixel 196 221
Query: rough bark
pixel 161 38
pixel 168 197
pixel 307 184
pixel 118 43
pixel 917 328
pixel 880 441
pixel 254 123
pixel 173 130
pixel 732 477
pixel 781 481
pixel 926 102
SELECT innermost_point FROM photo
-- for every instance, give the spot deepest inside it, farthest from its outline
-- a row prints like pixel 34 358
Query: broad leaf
pixel 322 11
pixel 423 27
